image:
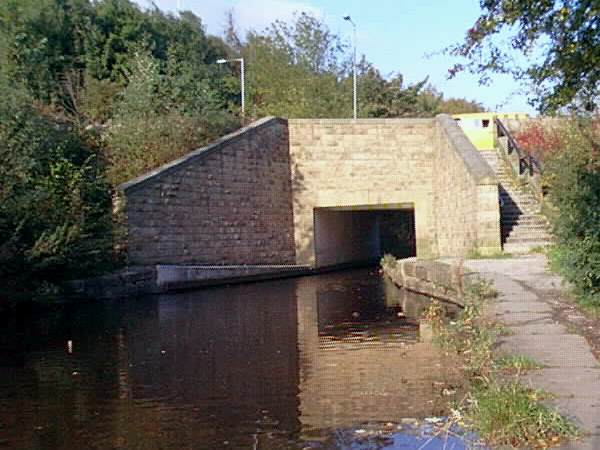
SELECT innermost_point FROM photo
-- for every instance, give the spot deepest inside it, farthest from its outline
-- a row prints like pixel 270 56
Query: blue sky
pixel 395 35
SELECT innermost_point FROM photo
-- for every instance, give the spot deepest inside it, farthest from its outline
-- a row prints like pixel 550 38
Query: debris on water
pixel 433 419
pixel 360 431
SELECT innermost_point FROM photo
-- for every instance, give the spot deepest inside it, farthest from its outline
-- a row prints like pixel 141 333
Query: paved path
pixel 525 304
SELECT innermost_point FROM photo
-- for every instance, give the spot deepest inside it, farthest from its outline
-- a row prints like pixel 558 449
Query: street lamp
pixel 349 19
pixel 241 61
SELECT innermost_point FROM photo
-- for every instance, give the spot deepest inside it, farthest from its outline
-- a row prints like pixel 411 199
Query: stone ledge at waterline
pixel 433 278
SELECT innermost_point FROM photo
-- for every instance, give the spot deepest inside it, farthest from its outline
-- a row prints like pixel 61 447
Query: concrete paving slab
pixel 566 350
pixel 569 382
pixel 524 318
pixel 587 443
pixel 540 328
pixel 516 306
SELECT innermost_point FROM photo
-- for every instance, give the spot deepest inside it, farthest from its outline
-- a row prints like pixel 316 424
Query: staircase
pixel 522 225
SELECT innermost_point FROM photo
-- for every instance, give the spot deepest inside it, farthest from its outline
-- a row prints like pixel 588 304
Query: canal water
pixel 327 362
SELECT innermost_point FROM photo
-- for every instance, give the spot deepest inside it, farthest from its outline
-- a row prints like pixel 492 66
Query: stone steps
pixel 525 220
pixel 522 227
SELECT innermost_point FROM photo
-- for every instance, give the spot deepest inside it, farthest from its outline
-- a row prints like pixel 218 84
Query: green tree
pixel 563 35
pixel 297 70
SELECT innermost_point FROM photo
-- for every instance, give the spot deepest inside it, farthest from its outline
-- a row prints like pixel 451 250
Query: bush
pixel 154 122
pixel 55 203
pixel 573 177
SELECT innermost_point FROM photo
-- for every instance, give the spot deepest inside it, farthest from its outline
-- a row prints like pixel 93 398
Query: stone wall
pixel 366 162
pixel 433 278
pixel 466 195
pixel 424 164
pixel 228 203
pixel 251 197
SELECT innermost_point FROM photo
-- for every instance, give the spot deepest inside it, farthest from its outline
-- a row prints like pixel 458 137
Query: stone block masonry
pixel 228 203
pixel 301 191
pixel 465 195
pixel 426 163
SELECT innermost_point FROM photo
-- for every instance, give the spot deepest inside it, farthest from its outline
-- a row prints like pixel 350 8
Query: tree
pixel 563 35
pixel 297 70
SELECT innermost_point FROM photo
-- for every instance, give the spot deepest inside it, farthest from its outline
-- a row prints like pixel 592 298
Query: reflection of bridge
pixel 252 362
pixel 318 193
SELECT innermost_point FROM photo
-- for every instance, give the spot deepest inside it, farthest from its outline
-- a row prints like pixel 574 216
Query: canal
pixel 332 361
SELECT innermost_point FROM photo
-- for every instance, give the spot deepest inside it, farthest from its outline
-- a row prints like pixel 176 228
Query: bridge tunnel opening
pixel 362 234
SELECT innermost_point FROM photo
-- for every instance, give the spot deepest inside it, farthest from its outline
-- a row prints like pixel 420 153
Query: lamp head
pixel 349 19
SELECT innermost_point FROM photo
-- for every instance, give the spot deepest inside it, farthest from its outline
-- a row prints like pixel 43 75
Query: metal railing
pixel 527 162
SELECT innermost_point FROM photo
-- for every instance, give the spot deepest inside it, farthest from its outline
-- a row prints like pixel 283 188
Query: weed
pixel 511 414
pixel 502 413
pixel 388 261
pixel 516 363
pixel 502 330
pixel 476 254
pixel 538 250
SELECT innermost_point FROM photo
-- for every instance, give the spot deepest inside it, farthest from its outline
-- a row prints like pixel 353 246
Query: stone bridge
pixel 318 193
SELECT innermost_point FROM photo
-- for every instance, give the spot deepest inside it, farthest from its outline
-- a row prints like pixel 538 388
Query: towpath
pixel 530 304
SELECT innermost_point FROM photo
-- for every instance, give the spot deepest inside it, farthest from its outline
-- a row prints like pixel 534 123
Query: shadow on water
pixel 310 362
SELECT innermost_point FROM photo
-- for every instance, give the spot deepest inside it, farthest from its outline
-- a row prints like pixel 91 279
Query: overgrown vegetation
pixel 54 201
pixel 511 414
pixel 573 179
pixel 502 411
pixel 516 363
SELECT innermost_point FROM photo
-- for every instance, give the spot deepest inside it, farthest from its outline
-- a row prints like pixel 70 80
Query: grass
pixel 503 330
pixel 538 250
pixel 516 363
pixel 511 414
pixel 476 254
pixel 503 413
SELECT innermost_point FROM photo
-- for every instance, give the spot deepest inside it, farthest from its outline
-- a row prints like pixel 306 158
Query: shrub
pixel 573 177
pixel 154 123
pixel 539 140
pixel 55 203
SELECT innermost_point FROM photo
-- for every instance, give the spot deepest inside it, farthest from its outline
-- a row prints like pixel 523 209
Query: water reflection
pixel 265 365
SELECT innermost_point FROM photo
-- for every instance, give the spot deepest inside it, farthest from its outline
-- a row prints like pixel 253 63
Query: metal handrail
pixel 526 159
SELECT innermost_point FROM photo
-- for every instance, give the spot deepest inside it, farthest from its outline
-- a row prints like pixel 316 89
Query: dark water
pixel 331 361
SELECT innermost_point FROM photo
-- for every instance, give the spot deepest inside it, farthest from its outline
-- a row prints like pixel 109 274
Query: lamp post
pixel 349 19
pixel 241 61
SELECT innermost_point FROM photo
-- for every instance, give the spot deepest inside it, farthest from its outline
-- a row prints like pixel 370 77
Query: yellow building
pixel 480 129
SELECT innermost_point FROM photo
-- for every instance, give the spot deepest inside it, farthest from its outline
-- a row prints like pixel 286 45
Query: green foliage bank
pixel 573 178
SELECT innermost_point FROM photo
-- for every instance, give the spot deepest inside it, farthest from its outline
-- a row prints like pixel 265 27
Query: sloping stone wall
pixel 466 195
pixel 228 203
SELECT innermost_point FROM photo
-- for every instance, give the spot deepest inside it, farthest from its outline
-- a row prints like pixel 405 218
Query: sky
pixel 397 36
